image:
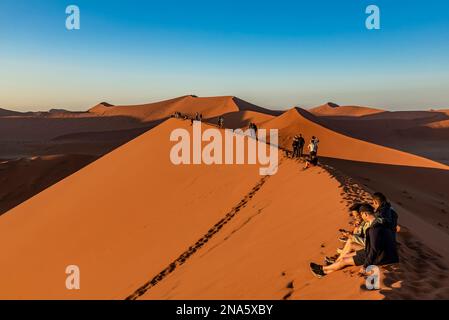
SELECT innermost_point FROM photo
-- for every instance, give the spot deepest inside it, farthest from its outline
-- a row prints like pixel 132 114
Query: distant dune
pixel 209 107
pixel 8 113
pixel 333 110
pixel 336 145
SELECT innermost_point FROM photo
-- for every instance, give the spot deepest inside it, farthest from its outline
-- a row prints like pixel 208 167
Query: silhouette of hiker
pixel 295 146
pixel 301 143
pixel 315 142
pixel 220 122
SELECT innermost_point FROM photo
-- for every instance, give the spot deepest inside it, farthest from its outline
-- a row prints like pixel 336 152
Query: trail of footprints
pixel 199 244
pixel 421 273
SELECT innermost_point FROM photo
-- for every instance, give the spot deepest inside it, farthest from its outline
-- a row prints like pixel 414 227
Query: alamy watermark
pixel 73 20
pixel 372 281
pixel 226 147
pixel 372 22
pixel 72 281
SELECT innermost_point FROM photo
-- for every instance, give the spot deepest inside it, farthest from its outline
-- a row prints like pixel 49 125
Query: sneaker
pixel 317 270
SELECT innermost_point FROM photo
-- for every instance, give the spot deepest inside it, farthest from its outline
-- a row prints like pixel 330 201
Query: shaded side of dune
pixel 26 177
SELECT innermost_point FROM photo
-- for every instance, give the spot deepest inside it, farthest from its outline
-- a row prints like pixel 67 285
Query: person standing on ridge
pixel 301 143
pixel 220 122
pixel 295 146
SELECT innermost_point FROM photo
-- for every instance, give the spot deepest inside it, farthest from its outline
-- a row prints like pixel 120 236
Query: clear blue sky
pixel 273 53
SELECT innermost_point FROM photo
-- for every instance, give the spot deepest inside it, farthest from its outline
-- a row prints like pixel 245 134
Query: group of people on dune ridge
pixel 298 150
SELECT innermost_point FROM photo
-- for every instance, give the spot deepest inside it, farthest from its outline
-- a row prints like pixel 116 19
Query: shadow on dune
pixel 422 272
pixel 408 131
pixel 423 191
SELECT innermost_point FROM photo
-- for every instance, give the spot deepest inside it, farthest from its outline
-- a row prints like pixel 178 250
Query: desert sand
pixel 140 227
pixel 334 110
pixel 423 133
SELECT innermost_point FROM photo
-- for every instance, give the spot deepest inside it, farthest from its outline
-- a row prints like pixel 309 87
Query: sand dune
pixel 336 145
pixel 122 230
pixel 209 106
pixel 423 133
pixel 333 110
pixel 241 119
pixel 121 227
pixel 263 253
pixel 8 113
pixel 140 227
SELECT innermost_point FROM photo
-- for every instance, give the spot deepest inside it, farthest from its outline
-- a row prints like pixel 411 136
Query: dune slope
pixel 208 106
pixel 333 110
pixel 120 219
pixel 335 145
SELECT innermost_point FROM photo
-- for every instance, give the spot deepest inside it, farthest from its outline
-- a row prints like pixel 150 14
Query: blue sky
pixel 273 53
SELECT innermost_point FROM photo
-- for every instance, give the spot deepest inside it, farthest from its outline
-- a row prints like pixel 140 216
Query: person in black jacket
pixel 380 248
pixel 301 143
pixel 385 212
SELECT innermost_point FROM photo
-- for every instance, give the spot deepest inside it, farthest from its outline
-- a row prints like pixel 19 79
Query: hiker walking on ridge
pixel 220 122
pixel 253 130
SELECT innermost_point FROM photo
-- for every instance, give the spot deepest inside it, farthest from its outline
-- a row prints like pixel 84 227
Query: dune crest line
pixel 199 244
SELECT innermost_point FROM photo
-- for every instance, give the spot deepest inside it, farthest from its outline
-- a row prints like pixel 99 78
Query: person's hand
pixel 362 271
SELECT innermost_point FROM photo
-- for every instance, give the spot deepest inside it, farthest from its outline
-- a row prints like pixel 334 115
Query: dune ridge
pixel 336 145
pixel 333 110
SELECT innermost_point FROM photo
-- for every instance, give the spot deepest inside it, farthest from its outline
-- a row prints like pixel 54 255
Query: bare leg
pixel 346 261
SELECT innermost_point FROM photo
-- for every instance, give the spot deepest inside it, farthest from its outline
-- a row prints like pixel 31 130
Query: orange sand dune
pixel 423 133
pixel 265 251
pixel 208 106
pixel 120 219
pixel 241 119
pixel 444 124
pixel 128 215
pixel 333 110
pixel 336 145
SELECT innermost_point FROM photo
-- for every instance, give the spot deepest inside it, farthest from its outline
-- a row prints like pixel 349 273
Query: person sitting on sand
pixel 313 161
pixel 355 240
pixel 380 248
pixel 385 211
